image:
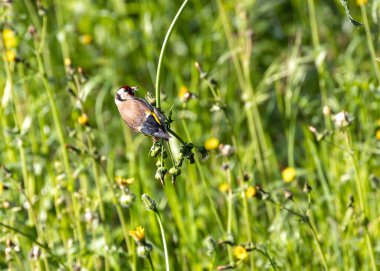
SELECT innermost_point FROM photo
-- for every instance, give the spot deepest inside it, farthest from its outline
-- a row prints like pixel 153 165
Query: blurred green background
pixel 284 95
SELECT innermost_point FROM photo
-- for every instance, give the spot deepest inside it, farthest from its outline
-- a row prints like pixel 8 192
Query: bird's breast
pixel 133 113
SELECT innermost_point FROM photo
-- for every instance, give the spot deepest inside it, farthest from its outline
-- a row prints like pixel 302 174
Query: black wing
pixel 151 127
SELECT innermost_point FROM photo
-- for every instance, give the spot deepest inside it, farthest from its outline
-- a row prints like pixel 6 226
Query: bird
pixel 140 115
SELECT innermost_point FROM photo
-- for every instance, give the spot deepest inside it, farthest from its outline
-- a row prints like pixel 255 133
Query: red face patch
pixel 128 89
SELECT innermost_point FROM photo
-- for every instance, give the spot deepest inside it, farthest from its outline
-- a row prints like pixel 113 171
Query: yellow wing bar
pixel 148 112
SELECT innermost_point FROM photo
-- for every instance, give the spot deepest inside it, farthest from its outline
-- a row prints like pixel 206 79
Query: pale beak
pixel 134 88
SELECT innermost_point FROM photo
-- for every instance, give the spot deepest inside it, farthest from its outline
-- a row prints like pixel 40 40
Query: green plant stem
pixel 41 245
pixel 305 219
pixel 119 210
pixel 163 48
pixel 65 156
pixel 317 48
pixel 218 98
pixel 229 212
pixel 150 262
pixel 163 240
pixel 362 197
pixel 254 122
pixel 370 45
pixel 205 184
pixel 265 253
pixel 31 214
pixel 318 243
pixel 98 183
pixel 101 202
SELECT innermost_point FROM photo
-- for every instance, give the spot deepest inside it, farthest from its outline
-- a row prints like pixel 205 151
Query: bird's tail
pixel 162 134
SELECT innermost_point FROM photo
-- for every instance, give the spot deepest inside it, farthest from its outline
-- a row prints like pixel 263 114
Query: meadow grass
pixel 283 95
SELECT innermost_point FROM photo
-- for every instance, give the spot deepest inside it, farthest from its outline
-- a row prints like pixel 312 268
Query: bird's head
pixel 125 93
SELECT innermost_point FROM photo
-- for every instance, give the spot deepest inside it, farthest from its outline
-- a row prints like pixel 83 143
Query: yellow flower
pixel 1 187
pixel 240 253
pixel 10 55
pixel 377 134
pixel 250 192
pixel 67 62
pixel 288 174
pixel 182 92
pixel 83 119
pixel 137 234
pixel 223 187
pixel 212 143
pixel 361 2
pixel 86 39
pixel 9 38
pixel 123 181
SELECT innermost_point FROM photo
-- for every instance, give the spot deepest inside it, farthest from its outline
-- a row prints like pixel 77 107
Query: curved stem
pixel 170 30
pixel 163 241
pixel 176 136
pixel 370 45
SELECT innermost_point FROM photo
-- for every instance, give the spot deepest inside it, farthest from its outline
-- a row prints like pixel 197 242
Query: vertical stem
pixel 316 44
pixel 205 184
pixel 101 203
pixel 229 214
pixel 253 115
pixel 362 196
pixel 370 45
pixel 318 244
pixel 150 262
pixel 163 241
pixel 234 141
pixel 65 156
pixel 163 48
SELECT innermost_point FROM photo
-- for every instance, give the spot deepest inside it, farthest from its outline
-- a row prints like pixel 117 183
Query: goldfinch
pixel 139 115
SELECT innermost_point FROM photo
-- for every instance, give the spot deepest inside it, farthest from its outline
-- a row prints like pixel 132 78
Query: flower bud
pixel 160 174
pixel 150 204
pixel 174 171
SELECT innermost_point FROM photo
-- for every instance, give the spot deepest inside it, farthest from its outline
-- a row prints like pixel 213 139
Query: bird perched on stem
pixel 139 115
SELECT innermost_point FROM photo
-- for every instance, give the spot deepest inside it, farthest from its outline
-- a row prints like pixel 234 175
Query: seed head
pixel 127 199
pixel 150 204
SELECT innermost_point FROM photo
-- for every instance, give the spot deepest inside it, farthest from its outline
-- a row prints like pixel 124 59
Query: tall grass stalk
pixel 362 197
pixel 62 141
pixel 317 51
pixel 205 183
pixel 41 245
pixel 243 71
pixel 306 219
pixel 219 99
pixel 87 140
pixel 163 48
pixel 370 45
pixel 229 209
